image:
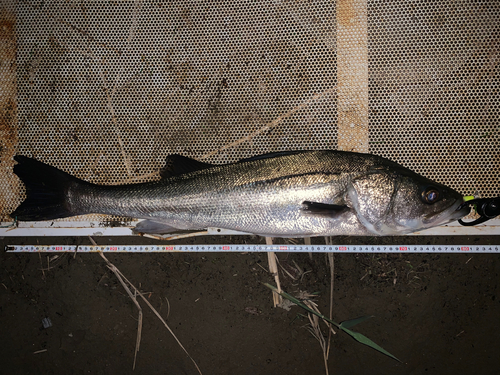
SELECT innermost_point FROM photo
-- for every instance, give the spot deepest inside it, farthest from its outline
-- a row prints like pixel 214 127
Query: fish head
pixel 399 201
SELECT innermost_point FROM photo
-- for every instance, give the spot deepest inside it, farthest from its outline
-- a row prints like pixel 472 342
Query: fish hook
pixel 487 208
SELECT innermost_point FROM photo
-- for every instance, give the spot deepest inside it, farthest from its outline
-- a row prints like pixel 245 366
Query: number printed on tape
pixel 262 248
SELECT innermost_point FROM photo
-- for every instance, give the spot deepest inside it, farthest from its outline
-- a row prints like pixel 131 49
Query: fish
pixel 281 194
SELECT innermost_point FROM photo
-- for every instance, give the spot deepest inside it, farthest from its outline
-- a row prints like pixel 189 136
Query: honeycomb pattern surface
pixel 106 90
pixel 434 88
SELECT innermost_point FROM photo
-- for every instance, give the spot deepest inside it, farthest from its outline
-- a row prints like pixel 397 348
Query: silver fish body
pixel 291 194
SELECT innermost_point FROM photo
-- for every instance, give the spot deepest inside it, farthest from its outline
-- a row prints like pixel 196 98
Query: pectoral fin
pixel 323 209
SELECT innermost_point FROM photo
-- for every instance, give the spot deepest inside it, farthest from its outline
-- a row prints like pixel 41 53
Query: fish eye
pixel 430 195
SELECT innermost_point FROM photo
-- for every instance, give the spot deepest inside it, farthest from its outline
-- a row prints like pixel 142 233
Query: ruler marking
pixel 261 248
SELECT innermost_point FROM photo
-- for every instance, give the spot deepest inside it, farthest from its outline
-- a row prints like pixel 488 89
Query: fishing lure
pixel 486 208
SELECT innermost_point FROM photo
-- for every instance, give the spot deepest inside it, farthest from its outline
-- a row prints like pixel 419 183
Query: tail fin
pixel 46 190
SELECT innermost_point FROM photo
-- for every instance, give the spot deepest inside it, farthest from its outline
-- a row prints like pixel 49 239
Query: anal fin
pixel 154 227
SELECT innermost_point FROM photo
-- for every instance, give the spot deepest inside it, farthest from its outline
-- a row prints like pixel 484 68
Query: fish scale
pixel 288 194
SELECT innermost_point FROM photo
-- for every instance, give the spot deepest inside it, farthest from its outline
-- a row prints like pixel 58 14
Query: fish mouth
pixel 453 212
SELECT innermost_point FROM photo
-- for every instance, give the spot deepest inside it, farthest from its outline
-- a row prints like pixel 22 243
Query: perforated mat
pixel 105 90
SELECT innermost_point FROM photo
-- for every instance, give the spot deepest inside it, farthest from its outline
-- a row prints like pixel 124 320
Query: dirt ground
pixel 438 313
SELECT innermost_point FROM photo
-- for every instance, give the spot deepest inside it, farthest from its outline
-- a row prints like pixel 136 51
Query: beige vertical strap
pixel 352 75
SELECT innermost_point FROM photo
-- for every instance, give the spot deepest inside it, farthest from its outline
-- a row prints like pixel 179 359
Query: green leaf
pixel 300 304
pixel 349 323
pixel 365 340
pixel 353 322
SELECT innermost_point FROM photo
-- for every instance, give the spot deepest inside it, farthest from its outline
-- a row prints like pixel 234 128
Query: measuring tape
pixel 260 248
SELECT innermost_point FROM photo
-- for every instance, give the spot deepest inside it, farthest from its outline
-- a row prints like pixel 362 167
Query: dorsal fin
pixel 176 165
pixel 270 155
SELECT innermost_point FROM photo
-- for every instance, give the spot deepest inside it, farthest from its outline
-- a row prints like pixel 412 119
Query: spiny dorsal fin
pixel 176 165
